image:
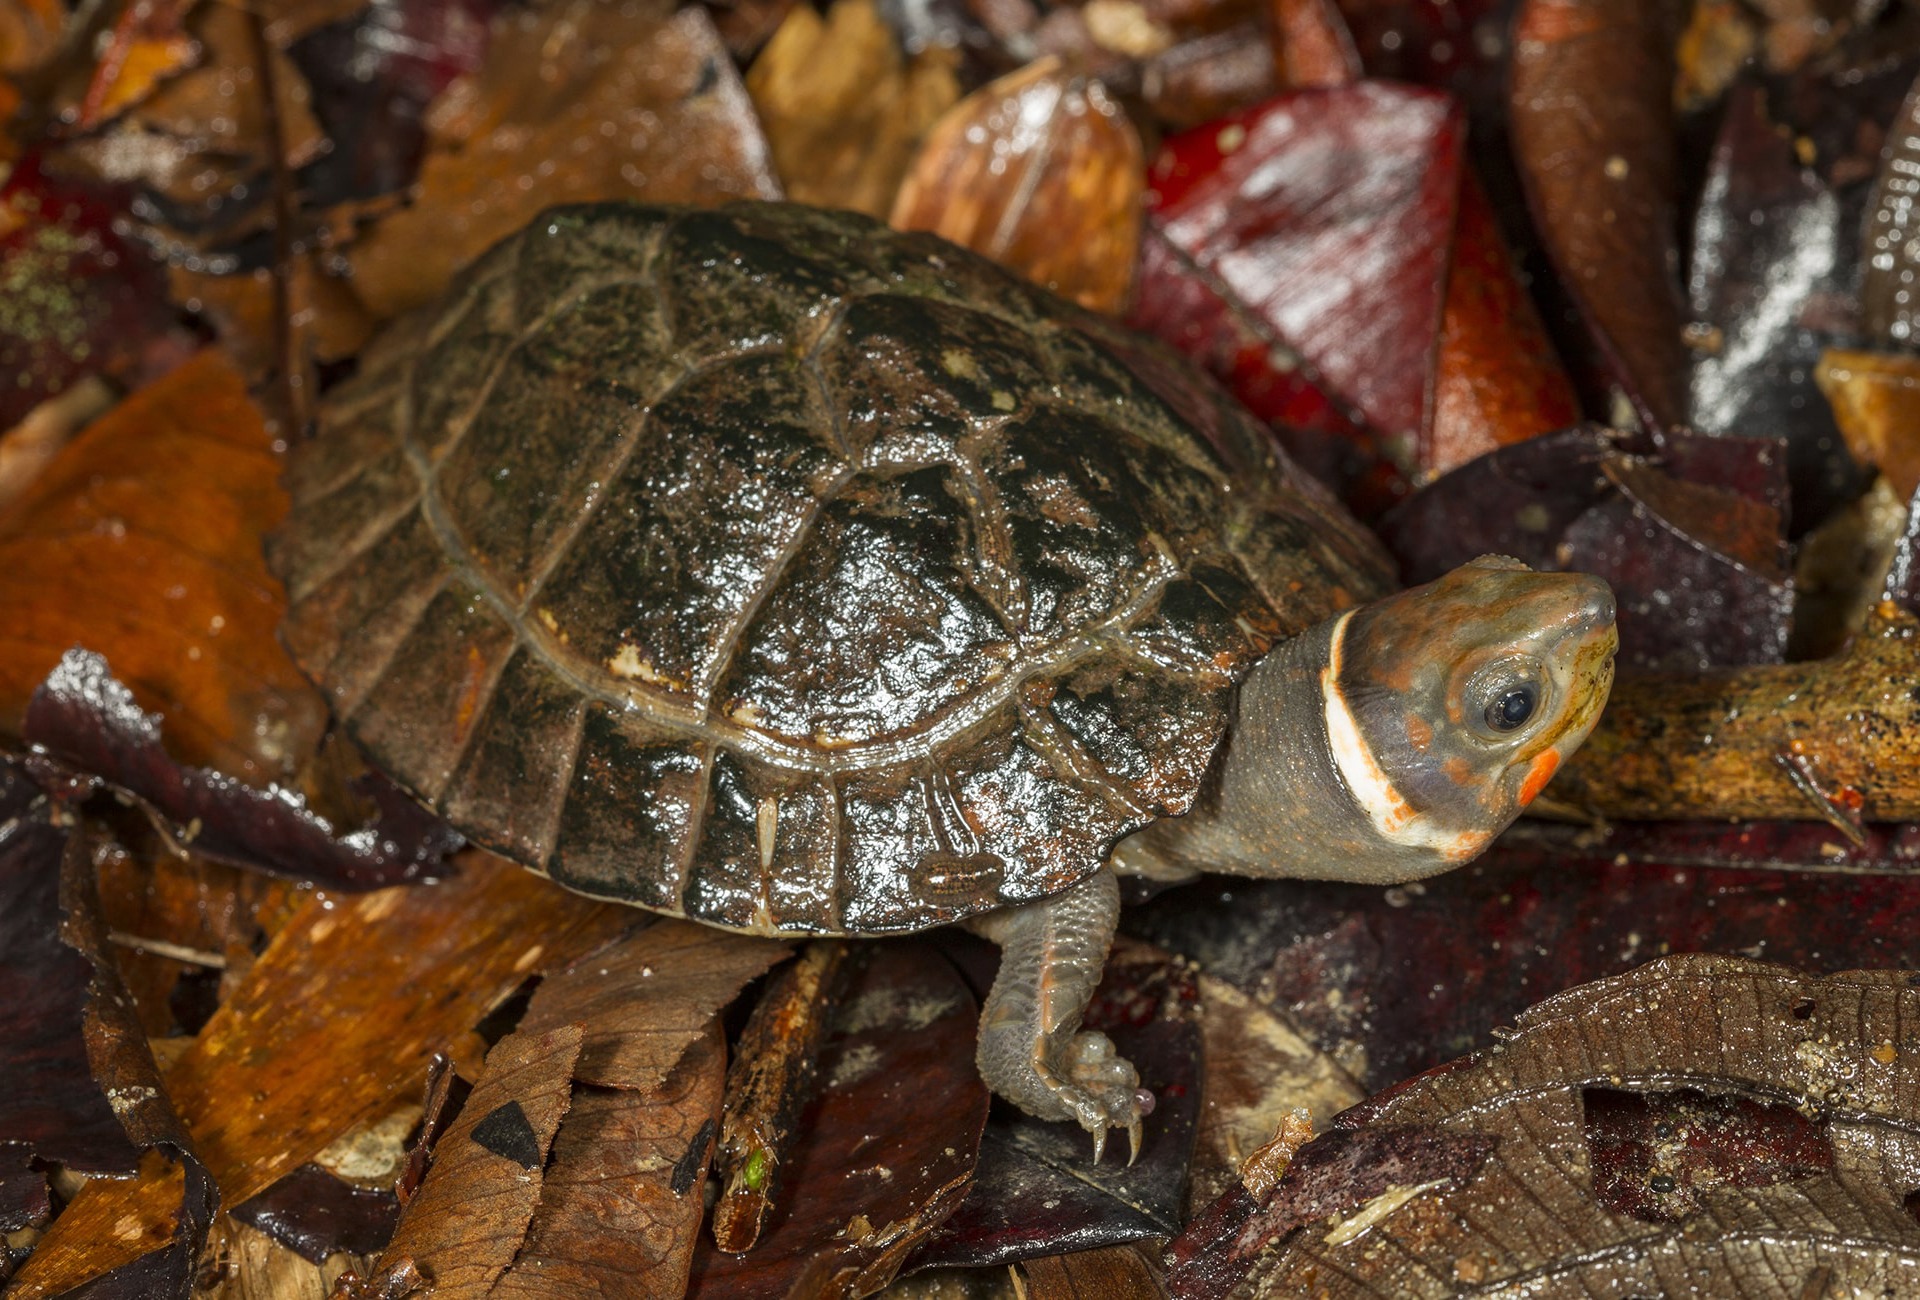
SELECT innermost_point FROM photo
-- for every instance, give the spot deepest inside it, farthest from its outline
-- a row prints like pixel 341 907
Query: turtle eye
pixel 1512 708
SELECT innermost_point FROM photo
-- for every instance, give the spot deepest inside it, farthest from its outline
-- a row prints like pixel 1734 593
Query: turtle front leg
pixel 1031 1049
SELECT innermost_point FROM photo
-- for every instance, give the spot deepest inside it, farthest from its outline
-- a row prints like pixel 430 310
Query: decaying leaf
pixel 142 541
pixel 1041 171
pixel 622 1196
pixel 1104 1274
pixel 626 104
pixel 843 109
pixel 1772 1112
pixel 83 716
pixel 1592 119
pixel 468 1220
pixel 323 1034
pixel 646 999
pixel 893 1134
pixel 1260 1071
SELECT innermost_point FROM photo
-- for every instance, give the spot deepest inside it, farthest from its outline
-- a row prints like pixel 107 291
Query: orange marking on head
pixel 1539 774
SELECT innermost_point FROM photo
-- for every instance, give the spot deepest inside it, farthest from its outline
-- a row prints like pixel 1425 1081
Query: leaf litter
pixel 289 181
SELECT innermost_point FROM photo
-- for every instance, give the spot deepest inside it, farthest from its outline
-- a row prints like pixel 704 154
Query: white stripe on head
pixel 1396 821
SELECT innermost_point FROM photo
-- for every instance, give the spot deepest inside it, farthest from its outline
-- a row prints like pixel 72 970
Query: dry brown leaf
pixel 1042 172
pixel 575 103
pixel 142 541
pixel 1876 402
pixel 1790 1105
pixel 217 108
pixel 623 1195
pixel 470 1216
pixel 1259 1069
pixel 253 1266
pixel 327 320
pixel 646 999
pixel 336 1022
pixel 843 110
pixel 1109 1273
pixel 29 31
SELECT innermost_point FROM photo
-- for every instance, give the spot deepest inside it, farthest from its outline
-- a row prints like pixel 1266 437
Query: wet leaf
pixel 146 1257
pixel 1042 172
pixel 1496 379
pixel 142 542
pixel 317 1214
pixel 1691 540
pixel 470 1217
pixel 1592 120
pixel 1299 251
pixel 147 44
pixel 1735 1187
pixel 648 998
pixel 1890 278
pixel 1875 398
pixel 1350 1173
pixel 844 110
pixel 1768 290
pixel 78 298
pixel 1337 962
pixel 325 320
pixel 1093 1274
pixel 893 1135
pixel 621 1199
pixel 84 716
pixel 1037 1190
pixel 530 130
pixel 51 1105
pixel 338 1018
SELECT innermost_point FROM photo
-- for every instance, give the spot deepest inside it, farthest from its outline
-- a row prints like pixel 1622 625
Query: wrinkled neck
pixel 1286 798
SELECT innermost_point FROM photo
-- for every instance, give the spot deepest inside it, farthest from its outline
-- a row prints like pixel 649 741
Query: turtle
pixel 765 566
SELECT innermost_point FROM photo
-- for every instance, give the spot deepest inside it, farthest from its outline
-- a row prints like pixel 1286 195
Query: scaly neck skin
pixel 1277 805
pixel 1396 740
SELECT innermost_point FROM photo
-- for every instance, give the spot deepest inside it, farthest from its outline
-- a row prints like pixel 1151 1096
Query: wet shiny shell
pixel 771 568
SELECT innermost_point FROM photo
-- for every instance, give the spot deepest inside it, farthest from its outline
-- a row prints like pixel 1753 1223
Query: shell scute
pixel 875 629
pixel 769 567
pixel 723 483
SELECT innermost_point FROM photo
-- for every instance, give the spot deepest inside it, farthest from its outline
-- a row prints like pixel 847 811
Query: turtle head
pixel 1450 705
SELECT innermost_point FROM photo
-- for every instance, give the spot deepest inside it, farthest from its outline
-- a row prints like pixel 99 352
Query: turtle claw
pixel 1133 1142
pixel 1099 1144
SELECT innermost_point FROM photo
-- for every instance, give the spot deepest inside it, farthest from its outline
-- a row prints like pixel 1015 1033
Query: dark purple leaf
pixel 1769 289
pixel 1037 1190
pixel 372 77
pixel 1778 846
pixel 1336 1173
pixel 82 716
pixel 316 1214
pixel 50 1104
pixel 1654 1153
pixel 1424 972
pixel 1691 540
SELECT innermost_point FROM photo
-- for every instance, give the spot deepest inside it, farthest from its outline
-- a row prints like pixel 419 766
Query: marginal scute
pixel 769 567
pixel 420 711
pixel 344 629
pixel 632 810
pixel 510 785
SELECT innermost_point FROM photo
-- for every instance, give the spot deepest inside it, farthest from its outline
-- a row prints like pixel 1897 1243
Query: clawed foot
pixel 1097 1087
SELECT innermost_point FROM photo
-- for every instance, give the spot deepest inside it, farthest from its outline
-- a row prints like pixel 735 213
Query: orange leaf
pixel 141 540
pixel 1876 402
pixel 1042 172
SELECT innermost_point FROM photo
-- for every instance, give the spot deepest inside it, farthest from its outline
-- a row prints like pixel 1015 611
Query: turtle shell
pixel 769 567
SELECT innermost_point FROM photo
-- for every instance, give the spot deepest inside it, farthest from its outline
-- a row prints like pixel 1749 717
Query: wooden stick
pixel 1833 739
pixel 767 1085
